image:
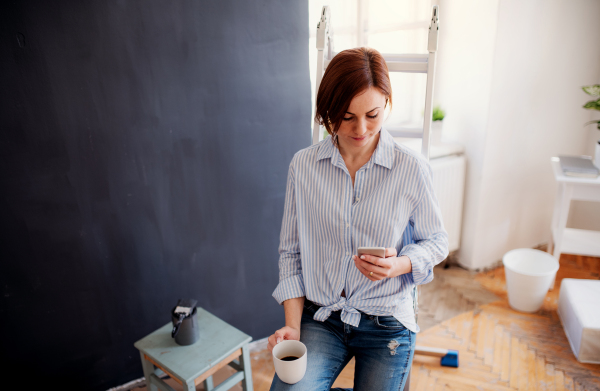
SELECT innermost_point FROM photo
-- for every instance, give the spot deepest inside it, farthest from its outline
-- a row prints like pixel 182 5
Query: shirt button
pixel 347 225
pixel 357 199
pixel 347 253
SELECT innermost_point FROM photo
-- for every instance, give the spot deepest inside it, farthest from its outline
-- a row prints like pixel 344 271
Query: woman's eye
pixel 373 116
pixel 347 119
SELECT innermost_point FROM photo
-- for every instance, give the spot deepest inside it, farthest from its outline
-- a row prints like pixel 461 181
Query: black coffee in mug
pixel 290 358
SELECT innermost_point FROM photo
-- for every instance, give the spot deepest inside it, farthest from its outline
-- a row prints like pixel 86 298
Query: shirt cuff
pixel 290 288
pixel 422 268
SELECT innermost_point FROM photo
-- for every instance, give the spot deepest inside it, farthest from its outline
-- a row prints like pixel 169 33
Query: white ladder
pixel 407 63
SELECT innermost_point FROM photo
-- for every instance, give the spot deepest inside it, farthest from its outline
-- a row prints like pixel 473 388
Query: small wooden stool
pixel 220 344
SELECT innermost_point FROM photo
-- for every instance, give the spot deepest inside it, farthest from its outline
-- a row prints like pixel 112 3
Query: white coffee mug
pixel 293 371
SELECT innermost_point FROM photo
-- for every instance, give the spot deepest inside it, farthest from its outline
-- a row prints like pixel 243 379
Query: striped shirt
pixel 326 219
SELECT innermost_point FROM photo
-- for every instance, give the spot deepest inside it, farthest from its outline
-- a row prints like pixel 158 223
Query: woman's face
pixel 363 120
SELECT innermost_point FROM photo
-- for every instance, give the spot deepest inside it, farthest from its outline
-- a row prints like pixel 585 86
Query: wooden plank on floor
pixel 459 380
pixel 466 325
pixel 417 378
pixel 474 332
pixel 481 329
pixel 505 369
pixel 523 359
pixel 466 361
pixel 439 386
pixel 461 387
pixel 445 343
pixel 514 362
pixel 531 373
pixel 430 383
pixel 498 337
pixel 559 380
pixel 540 372
pixel 549 377
pixel 488 346
pixel 569 383
pixel 484 376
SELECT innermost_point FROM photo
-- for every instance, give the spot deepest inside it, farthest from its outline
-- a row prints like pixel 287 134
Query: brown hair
pixel 349 73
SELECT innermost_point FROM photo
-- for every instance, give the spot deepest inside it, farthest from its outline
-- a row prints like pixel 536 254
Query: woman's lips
pixel 359 139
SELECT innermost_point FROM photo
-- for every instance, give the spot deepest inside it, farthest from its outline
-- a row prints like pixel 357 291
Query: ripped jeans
pixel 382 346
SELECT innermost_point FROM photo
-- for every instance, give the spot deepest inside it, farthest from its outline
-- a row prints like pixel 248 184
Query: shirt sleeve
pixel 291 282
pixel 429 245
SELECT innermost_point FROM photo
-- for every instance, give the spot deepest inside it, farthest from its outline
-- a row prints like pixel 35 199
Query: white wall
pixel 463 88
pixel 509 75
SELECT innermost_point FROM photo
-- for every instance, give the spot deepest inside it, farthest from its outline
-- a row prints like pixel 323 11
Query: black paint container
pixel 188 332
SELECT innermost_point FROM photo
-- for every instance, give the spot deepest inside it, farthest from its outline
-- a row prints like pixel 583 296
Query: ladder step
pixel 412 67
pixel 410 63
pixel 406 57
pixel 405 132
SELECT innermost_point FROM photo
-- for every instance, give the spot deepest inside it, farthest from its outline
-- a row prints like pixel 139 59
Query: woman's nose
pixel 361 127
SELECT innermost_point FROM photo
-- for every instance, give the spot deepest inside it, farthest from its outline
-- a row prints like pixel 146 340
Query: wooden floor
pixel 502 349
pixel 499 348
pixel 452 292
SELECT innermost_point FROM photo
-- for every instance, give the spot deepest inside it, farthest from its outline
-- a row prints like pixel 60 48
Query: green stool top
pixel 217 341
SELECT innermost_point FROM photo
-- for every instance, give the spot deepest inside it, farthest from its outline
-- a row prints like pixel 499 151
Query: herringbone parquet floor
pixel 502 349
pixel 499 348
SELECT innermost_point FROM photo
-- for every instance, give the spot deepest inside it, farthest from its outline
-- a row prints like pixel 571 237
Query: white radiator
pixel 449 185
pixel 448 164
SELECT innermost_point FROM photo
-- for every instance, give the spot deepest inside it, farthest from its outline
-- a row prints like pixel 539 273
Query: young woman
pixel 356 188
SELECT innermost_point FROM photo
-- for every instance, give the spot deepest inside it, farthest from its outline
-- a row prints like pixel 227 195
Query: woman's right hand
pixel 283 334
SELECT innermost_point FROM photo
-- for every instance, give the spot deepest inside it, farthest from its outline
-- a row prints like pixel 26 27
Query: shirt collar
pixel 326 149
pixel 383 154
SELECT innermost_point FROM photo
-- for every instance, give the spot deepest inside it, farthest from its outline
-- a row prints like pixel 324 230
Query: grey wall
pixel 144 149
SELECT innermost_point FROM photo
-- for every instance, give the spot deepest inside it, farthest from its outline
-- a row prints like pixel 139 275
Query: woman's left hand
pixel 375 268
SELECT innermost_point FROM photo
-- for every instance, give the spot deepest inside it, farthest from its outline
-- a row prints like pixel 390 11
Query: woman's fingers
pixel 275 339
pixel 375 264
pixel 361 266
pixel 375 268
pixel 379 272
pixel 282 334
pixel 371 259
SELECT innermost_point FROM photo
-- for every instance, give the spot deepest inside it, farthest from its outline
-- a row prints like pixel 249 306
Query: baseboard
pixel 258 345
pixel 456 259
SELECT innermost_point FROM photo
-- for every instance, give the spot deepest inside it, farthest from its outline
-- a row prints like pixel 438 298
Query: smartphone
pixel 375 251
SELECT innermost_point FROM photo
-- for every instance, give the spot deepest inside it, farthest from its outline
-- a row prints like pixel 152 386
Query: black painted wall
pixel 144 149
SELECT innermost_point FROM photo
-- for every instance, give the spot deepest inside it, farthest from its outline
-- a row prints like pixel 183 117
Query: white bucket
pixel 529 274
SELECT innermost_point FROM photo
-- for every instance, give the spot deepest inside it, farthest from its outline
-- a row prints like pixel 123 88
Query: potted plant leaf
pixel 594 91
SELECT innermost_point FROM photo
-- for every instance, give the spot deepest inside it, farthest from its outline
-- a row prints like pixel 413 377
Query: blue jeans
pixel 382 346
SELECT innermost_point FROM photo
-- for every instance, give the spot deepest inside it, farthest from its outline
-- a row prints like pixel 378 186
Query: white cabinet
pixel 571 240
